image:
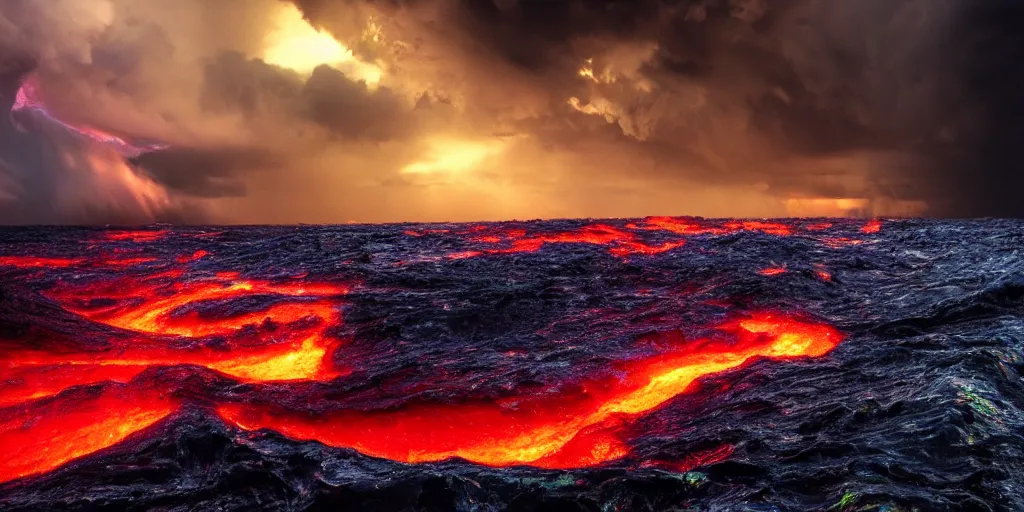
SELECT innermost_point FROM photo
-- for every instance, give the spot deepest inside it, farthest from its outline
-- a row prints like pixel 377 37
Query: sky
pixel 335 111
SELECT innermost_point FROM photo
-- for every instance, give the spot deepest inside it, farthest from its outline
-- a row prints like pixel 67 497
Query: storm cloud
pixel 492 109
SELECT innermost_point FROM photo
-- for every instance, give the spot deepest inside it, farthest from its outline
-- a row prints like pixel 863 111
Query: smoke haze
pixel 268 111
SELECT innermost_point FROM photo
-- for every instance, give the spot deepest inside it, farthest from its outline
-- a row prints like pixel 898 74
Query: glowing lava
pixel 300 352
pixel 193 257
pixel 695 460
pixel 771 228
pixel 25 381
pixel 873 226
pixel 36 262
pixel 257 331
pixel 135 236
pixel 296 321
pixel 822 274
pixel 102 261
pixel 621 243
pixel 627 240
pixel 566 431
pixel 117 261
pixel 39 439
pixel 281 340
pixel 689 226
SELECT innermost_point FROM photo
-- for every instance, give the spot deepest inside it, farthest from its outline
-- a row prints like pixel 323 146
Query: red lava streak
pixel 695 460
pixel 820 226
pixel 771 228
pixel 125 262
pixel 873 226
pixel 296 322
pixel 102 261
pixel 280 341
pixel 568 431
pixel 821 273
pixel 621 243
pixel 33 262
pixel 136 236
pixel 39 439
pixel 62 401
pixel 193 257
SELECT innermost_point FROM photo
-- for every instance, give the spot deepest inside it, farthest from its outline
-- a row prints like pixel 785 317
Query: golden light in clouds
pixel 825 206
pixel 587 71
pixel 454 156
pixel 598 107
pixel 296 45
pixel 853 207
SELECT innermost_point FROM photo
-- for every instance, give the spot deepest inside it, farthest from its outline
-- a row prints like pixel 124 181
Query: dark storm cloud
pixel 351 110
pixel 922 95
pixel 144 73
pixel 834 98
pixel 206 172
pixel 891 102
pixel 347 107
pixel 49 174
pixel 987 169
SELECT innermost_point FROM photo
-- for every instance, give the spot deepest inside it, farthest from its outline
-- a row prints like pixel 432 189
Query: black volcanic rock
pixel 920 407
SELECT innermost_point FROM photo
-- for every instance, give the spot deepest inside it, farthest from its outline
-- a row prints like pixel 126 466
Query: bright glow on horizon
pixel 454 156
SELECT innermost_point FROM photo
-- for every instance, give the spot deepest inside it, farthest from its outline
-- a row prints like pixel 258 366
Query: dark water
pixel 918 408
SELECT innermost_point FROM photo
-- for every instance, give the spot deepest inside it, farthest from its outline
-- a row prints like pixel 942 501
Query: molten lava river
pixel 636 364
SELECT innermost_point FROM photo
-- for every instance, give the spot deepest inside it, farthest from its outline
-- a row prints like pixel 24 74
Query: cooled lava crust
pixel 646 364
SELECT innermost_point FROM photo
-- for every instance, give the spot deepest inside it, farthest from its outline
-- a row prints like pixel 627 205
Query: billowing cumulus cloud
pixel 334 111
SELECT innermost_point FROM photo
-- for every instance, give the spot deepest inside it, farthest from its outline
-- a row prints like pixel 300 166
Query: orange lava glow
pixel 193 257
pixel 820 226
pixel 39 439
pixel 45 423
pixel 627 240
pixel 64 400
pixel 771 228
pixel 104 260
pixel 412 232
pixel 136 236
pixel 301 352
pixel 695 460
pixel 464 254
pixel 822 274
pixel 551 431
pixel 681 226
pixel 873 226
pixel 124 262
pixel 27 382
pixel 621 243
pixel 296 321
pixel 688 226
pixel 34 262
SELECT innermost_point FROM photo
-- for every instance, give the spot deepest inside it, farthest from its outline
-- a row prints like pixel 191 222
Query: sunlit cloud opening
pixel 450 156
pixel 296 45
pixel 825 206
